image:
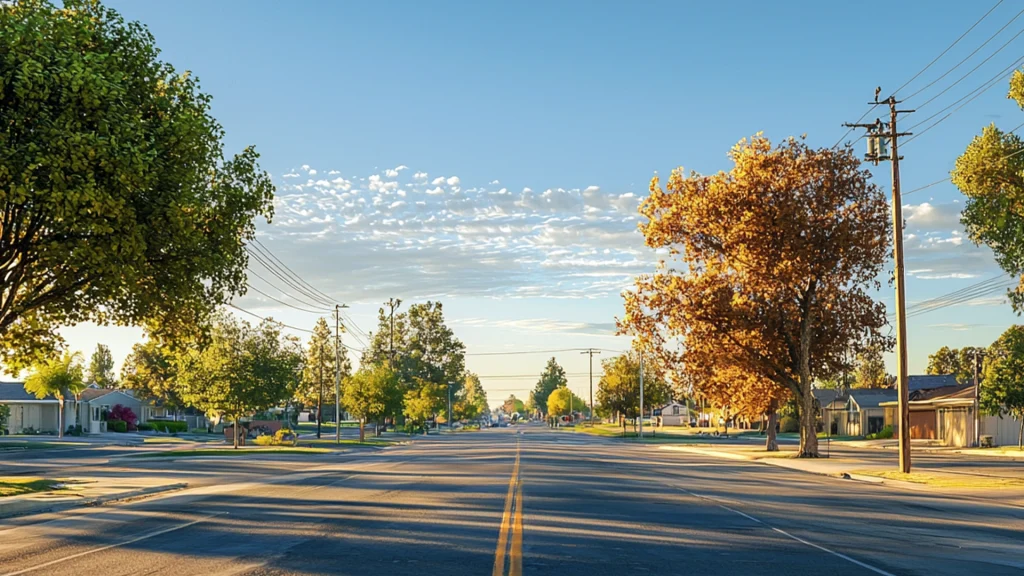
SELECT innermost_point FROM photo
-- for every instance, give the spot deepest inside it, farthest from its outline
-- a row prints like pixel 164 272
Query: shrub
pixel 789 424
pixel 115 425
pixel 125 414
pixel 169 426
pixel 144 427
pixel 883 434
pixel 75 430
pixel 264 440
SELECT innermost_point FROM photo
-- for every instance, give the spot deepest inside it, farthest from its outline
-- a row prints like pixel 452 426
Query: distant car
pixel 494 424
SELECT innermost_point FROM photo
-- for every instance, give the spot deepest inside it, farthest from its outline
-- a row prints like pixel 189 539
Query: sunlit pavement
pixel 517 500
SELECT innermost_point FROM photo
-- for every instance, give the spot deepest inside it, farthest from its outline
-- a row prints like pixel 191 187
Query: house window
pixel 675 410
pixel 853 416
pixel 96 413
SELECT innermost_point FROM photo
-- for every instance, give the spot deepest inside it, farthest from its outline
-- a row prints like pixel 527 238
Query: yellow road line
pixel 515 556
pixel 499 553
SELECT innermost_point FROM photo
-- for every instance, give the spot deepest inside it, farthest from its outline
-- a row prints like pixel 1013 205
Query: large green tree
pixel 371 394
pixel 149 371
pixel 563 401
pixel 240 369
pixel 619 388
pixel 959 362
pixel 117 203
pixel 990 173
pixel 101 367
pixel 869 369
pixel 58 377
pixel 513 404
pixel 426 351
pixel 1002 392
pixel 471 402
pixel 317 384
pixel 552 378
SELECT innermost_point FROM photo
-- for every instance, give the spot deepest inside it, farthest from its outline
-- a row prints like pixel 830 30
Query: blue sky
pixel 530 131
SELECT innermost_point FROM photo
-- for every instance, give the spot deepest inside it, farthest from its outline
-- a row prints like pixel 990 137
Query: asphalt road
pixel 519 501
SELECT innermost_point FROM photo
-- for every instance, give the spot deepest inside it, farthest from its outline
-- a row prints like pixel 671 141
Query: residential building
pixel 673 414
pixel 31 413
pixel 946 415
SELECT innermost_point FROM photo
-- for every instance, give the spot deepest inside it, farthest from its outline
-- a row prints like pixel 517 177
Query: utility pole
pixel 449 406
pixel 392 303
pixel 320 396
pixel 877 139
pixel 591 352
pixel 977 397
pixel 641 396
pixel 337 372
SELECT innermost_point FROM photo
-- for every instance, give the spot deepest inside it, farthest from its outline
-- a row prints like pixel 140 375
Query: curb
pixel 714 453
pixel 28 508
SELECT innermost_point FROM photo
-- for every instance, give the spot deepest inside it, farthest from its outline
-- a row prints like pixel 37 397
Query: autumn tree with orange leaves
pixel 771 264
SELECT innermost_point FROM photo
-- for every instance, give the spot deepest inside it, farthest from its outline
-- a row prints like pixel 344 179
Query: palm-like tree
pixel 59 377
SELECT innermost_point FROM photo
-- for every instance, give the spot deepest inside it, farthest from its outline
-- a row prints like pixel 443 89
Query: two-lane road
pixel 525 500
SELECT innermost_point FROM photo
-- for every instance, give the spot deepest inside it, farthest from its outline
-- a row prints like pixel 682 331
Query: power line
pixel 325 297
pixel 921 71
pixel 257 290
pixel 966 298
pixel 269 266
pixel 299 300
pixel 282 324
pixel 939 299
pixel 969 56
pixel 520 352
pixel 948 48
pixel 985 87
pixel 972 71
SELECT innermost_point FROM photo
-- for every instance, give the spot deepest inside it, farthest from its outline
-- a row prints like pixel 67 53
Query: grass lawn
pixel 232 452
pixel 370 441
pixel 16 485
pixel 959 481
pixel 307 427
pixel 1000 451
pixel 167 440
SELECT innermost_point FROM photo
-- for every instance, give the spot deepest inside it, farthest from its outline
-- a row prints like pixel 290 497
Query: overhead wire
pixel 947 178
pixel 325 297
pixel 308 304
pixel 289 326
pixel 258 291
pixel 280 274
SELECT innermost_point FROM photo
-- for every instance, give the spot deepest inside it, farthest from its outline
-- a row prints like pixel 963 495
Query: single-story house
pixel 858 412
pixel 673 414
pixel 29 412
pixel 947 414
pixel 90 409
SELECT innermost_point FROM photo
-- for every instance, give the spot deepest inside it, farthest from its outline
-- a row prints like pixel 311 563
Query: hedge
pixel 174 426
pixel 883 434
pixel 117 425
pixel 789 424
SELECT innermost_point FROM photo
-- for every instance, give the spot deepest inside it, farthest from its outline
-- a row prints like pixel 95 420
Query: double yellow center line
pixel 512 519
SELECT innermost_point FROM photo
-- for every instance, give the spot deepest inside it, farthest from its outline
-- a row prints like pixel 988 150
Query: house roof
pixel 872 397
pixel 15 392
pixel 94 393
pixel 825 396
pixel 931 381
pixel 945 396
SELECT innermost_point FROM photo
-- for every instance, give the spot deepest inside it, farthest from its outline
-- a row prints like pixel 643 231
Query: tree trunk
pixel 1020 436
pixel 808 430
pixel 60 418
pixel 319 414
pixel 772 442
pixel 234 433
pixel 362 436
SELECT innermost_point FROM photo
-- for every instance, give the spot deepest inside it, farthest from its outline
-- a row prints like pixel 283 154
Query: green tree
pixel 990 173
pixel 57 377
pixel 5 418
pixel 1002 392
pixel 563 402
pixel 619 388
pixel 870 368
pixel 240 369
pixel 119 205
pixel 317 384
pixel 513 404
pixel 552 378
pixel 471 402
pixel 370 394
pixel 420 403
pixel 956 361
pixel 101 367
pixel 150 371
pixel 426 351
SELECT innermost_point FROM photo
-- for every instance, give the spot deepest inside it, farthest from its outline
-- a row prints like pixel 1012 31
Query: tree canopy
pixel 990 173
pixel 318 373
pixel 371 394
pixel 619 388
pixel 119 205
pixel 552 378
pixel 101 367
pixel 150 371
pixel 956 361
pixel 778 255
pixel 513 404
pixel 1002 392
pixel 58 377
pixel 869 369
pixel 241 369
pixel 471 402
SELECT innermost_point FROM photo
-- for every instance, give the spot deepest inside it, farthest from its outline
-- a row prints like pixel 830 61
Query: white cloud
pixel 435 191
pixel 312 172
pixel 438 181
pixel 420 176
pixel 291 175
pixel 495 182
pixel 333 172
pixel 305 167
pixel 453 181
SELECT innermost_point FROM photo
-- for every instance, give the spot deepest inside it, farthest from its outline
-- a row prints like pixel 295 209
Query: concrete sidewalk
pixel 950 473
pixel 84 491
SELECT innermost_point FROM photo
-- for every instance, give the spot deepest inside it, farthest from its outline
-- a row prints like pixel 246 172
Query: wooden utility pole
pixel 337 372
pixel 977 397
pixel 591 352
pixel 320 395
pixel 878 139
pixel 392 303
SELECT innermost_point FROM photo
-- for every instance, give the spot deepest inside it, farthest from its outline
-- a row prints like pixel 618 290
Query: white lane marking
pixel 109 546
pixel 787 534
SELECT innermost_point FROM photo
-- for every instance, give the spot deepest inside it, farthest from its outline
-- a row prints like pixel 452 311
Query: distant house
pixel 859 412
pixel 946 415
pixel 29 412
pixel 673 414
